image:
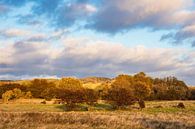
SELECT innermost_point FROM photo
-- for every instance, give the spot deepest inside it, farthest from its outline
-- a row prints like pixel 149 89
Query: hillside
pixel 95 80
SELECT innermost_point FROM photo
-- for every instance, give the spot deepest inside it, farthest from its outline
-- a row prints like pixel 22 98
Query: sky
pixel 57 38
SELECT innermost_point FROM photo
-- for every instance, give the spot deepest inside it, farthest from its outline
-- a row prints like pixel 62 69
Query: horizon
pixel 103 38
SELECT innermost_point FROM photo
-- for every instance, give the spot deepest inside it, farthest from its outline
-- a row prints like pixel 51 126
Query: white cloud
pixel 14 32
pixel 118 15
pixel 87 57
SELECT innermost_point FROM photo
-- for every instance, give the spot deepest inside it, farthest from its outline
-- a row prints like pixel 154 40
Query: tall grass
pixel 48 116
pixel 97 120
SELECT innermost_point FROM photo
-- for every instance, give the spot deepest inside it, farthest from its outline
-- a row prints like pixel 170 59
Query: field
pixel 157 115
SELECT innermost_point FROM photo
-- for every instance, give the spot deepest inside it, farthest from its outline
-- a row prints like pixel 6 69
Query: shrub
pixel 15 94
pixel 10 86
pixel 181 105
pixel 8 95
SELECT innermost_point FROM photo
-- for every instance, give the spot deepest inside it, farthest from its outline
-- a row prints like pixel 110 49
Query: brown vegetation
pixel 95 120
pixel 121 91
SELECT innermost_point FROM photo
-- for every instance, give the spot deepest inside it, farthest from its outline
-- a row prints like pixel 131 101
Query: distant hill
pixel 95 80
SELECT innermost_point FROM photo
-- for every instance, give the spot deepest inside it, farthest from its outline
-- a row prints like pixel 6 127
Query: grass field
pixel 157 115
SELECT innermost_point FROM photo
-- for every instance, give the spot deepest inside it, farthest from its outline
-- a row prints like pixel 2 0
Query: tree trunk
pixel 141 104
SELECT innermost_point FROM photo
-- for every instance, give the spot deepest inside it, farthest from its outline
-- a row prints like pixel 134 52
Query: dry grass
pixel 97 120
pixel 91 85
pixel 37 116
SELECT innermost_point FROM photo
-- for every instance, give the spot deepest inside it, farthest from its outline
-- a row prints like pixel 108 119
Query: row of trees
pixel 169 88
pixel 123 90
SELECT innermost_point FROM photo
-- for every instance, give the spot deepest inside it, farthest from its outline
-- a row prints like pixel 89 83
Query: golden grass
pixel 91 85
pixel 97 120
pixel 52 116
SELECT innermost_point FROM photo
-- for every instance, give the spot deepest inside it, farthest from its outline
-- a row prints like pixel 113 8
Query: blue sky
pixel 47 38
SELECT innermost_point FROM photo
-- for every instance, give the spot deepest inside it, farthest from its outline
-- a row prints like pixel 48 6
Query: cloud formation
pixel 113 16
pixel 63 13
pixel 13 32
pixel 45 24
pixel 185 34
pixel 118 15
pixel 80 57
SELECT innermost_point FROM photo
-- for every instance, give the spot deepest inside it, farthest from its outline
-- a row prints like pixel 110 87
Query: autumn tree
pixel 70 90
pixel 141 90
pixel 126 89
pixel 91 96
pixel 192 93
pixel 142 86
pixel 169 88
pixel 120 92
pixel 38 86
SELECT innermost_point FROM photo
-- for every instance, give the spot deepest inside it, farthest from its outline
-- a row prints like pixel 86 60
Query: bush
pixel 8 95
pixel 11 86
pixel 181 105
pixel 15 94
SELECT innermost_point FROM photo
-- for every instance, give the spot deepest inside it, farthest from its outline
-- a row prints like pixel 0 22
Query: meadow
pixel 156 115
pixel 125 102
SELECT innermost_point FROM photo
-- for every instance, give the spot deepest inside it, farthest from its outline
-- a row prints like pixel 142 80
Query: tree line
pixel 121 91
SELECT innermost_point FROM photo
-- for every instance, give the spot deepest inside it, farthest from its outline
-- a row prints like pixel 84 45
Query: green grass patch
pixel 162 110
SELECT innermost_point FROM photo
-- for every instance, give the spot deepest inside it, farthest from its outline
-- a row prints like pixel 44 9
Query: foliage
pixel 38 86
pixel 169 88
pixel 91 96
pixel 141 90
pixel 192 93
pixel 120 91
pixel 7 96
pixel 10 86
pixel 126 89
pixel 15 94
pixel 70 91
pixel 134 88
pixel 142 86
